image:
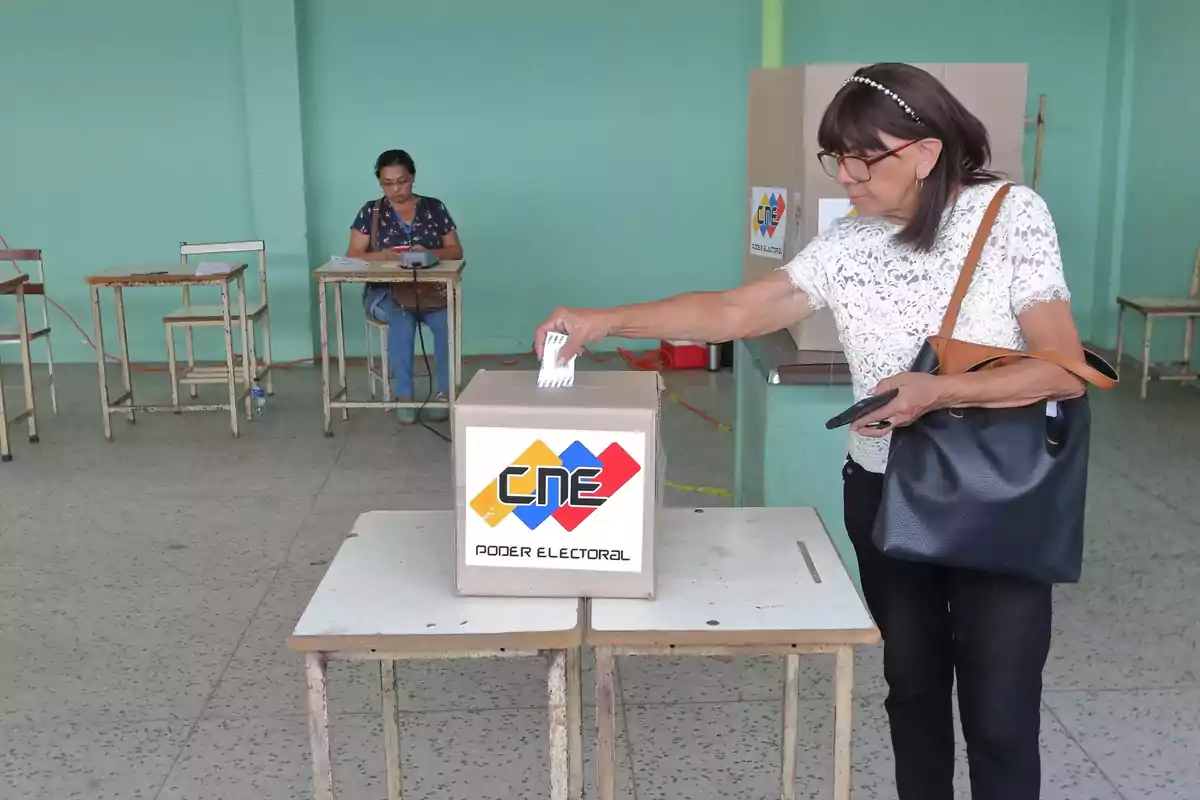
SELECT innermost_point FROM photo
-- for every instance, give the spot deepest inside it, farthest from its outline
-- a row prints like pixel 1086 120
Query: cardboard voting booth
pixel 558 490
pixel 791 199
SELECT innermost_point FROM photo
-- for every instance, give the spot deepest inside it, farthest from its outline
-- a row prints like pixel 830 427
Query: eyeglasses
pixel 395 184
pixel 858 169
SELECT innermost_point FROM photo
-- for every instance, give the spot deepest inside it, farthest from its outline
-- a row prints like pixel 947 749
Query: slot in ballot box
pixel 558 490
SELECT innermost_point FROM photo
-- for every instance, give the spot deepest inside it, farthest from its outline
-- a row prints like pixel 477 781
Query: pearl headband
pixel 907 109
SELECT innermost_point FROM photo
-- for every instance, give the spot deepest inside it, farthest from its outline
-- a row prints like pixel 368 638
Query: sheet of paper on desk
pixel 213 268
pixel 552 374
pixel 341 262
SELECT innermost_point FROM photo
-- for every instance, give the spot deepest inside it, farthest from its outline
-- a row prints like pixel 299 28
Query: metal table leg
pixel 266 326
pixel 1120 335
pixel 458 330
pixel 227 325
pixel 1189 339
pixel 249 367
pixel 341 334
pixel 843 728
pixel 559 748
pixel 26 363
pixel 5 451
pixel 324 315
pixel 791 725
pixel 98 333
pixel 1147 333
pixel 318 725
pixel 575 720
pixel 123 341
pixel 606 723
pixel 172 366
pixel 193 389
pixel 455 345
pixel 391 729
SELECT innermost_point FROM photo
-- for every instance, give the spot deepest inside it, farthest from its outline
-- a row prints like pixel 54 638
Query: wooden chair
pixel 380 376
pixel 35 286
pixel 197 316
pixel 1151 308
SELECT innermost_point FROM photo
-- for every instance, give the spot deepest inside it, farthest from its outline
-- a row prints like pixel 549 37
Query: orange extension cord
pixel 653 360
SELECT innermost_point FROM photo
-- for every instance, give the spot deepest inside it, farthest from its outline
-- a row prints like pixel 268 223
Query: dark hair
pixel 395 158
pixel 859 112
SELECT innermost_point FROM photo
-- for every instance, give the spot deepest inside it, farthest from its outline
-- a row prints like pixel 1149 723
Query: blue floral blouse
pixel 431 222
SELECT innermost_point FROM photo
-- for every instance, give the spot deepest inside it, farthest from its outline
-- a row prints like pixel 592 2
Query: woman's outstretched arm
pixel 754 309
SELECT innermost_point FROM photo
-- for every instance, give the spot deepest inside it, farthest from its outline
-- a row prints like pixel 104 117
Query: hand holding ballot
pixel 555 374
pixel 582 326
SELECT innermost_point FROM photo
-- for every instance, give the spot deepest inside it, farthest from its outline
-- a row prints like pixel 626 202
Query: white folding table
pixel 745 582
pixel 388 595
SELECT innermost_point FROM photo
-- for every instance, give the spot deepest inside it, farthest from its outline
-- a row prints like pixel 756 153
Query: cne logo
pixel 568 486
pixel 771 208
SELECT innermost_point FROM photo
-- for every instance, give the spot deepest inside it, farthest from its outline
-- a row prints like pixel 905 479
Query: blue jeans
pixel 402 333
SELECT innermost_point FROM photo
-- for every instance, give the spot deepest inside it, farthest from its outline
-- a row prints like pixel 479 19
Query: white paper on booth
pixel 768 221
pixel 830 210
pixel 554 498
pixel 553 375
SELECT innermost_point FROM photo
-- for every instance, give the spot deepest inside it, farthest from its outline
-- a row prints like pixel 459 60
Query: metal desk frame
pixel 565 703
pixel 803 603
pixel 392 562
pixel 173 275
pixel 446 272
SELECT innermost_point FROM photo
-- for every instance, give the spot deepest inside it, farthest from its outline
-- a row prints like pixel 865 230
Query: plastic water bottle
pixel 258 398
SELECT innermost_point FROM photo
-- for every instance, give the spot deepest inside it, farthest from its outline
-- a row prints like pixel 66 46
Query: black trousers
pixel 992 632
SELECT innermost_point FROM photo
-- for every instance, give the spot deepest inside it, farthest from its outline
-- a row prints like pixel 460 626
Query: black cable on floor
pixel 425 356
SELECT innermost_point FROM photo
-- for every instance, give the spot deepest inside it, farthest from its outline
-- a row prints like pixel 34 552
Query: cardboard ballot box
pixel 557 491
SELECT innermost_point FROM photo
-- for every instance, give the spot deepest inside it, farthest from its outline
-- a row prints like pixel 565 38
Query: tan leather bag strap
pixel 968 268
pixel 1102 376
pixel 374 244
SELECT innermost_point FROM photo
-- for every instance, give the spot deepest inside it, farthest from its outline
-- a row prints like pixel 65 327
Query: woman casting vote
pixel 403 219
pixel 912 160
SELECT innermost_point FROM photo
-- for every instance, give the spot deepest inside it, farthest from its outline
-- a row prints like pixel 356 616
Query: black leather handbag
pixel 999 490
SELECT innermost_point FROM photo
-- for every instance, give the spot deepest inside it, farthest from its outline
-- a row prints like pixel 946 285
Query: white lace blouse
pixel 887 297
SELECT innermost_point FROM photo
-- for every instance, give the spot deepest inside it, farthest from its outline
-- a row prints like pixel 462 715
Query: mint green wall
pixel 1114 162
pixel 1161 222
pixel 123 131
pixel 590 152
pixel 275 165
pixel 1065 43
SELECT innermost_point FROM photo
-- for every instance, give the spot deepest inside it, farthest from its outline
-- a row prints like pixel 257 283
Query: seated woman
pixel 404 219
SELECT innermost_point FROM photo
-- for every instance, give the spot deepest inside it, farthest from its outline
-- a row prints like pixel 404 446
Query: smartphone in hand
pixel 861 408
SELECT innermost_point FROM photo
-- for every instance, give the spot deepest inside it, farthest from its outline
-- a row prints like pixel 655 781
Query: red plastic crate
pixel 679 354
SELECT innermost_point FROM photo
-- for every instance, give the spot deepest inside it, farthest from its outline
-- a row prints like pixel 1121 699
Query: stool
pixel 383 376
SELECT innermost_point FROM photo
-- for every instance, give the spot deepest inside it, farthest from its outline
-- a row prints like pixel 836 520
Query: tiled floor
pixel 147 586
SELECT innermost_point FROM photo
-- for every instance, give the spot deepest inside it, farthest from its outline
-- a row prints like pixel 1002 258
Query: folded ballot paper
pixel 552 374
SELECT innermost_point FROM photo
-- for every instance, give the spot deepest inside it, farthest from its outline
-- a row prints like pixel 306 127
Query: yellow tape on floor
pixel 710 490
